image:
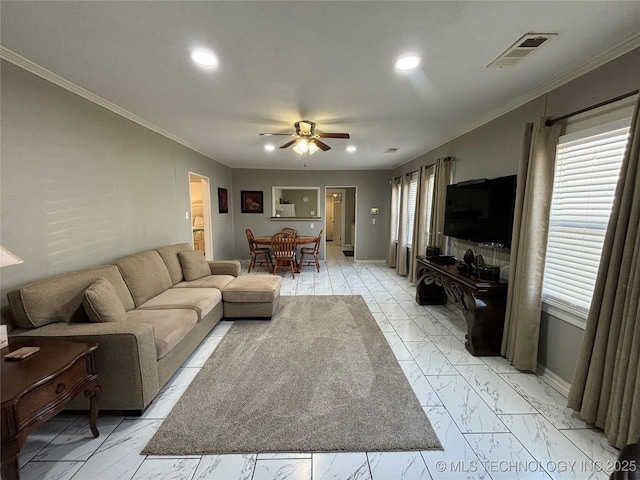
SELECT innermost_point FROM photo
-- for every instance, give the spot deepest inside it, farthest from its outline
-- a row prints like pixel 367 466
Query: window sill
pixel 564 315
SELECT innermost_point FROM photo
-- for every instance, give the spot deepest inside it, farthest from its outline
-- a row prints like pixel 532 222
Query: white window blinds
pixel 586 173
pixel 429 203
pixel 411 207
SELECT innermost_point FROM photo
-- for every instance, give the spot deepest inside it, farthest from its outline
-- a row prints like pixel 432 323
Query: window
pixel 396 195
pixel 429 203
pixel 586 174
pixel 411 208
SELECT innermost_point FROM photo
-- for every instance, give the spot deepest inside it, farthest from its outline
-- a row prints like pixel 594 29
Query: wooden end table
pixel 38 387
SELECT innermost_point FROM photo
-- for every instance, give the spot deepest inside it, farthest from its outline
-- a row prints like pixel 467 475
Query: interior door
pixel 329 219
pixel 337 219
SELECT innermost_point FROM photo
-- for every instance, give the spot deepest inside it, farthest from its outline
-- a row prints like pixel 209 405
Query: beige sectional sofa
pixel 147 312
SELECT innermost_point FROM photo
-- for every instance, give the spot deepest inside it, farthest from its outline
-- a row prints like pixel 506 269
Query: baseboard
pixel 553 380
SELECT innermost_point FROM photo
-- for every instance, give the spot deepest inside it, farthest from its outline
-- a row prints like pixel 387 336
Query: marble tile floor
pixel 494 422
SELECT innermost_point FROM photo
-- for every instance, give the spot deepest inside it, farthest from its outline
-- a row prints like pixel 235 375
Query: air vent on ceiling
pixel 521 49
pixel 391 150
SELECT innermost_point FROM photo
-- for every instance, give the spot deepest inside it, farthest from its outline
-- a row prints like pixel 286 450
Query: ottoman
pixel 251 296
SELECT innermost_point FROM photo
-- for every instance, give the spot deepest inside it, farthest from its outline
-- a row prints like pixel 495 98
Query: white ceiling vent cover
pixel 521 49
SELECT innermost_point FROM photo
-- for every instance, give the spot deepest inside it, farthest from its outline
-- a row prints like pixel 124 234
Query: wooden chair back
pixel 257 251
pixel 290 230
pixel 250 239
pixel 283 246
pixel 312 252
pixel 316 247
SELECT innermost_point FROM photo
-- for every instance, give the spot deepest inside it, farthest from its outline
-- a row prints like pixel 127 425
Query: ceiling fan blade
pixel 333 135
pixel 272 134
pixel 321 145
pixel 288 144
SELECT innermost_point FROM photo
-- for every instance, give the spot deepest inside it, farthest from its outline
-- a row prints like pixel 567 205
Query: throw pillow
pixel 102 304
pixel 194 265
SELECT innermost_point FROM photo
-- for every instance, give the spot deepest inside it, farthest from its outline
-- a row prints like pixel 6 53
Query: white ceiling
pixel 329 62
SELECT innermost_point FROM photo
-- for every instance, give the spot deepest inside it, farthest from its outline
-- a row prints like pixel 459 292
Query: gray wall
pixel 493 150
pixel 83 186
pixel 373 191
pixel 302 209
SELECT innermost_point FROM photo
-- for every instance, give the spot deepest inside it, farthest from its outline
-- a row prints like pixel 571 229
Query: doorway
pixel 340 207
pixel 200 201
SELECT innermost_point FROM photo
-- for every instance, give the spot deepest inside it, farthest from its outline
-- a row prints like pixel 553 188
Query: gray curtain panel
pixel 403 230
pixel 529 244
pixel 393 223
pixel 606 385
pixel 443 177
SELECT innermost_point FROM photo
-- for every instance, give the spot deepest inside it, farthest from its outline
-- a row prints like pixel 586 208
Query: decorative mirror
pixel 295 202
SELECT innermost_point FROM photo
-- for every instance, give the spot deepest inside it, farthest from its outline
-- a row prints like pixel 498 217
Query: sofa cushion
pixel 170 258
pixel 101 302
pixel 59 298
pixel 210 281
pixel 169 326
pixel 201 300
pixel 145 274
pixel 252 289
pixel 194 265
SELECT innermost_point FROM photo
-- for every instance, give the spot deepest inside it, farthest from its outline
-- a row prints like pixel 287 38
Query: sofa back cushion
pixel 59 298
pixel 145 274
pixel 101 303
pixel 194 265
pixel 170 258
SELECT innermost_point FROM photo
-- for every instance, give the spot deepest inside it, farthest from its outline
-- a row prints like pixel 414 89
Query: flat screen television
pixel 481 210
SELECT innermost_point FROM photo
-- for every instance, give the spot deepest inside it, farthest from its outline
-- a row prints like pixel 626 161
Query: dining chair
pixel 257 251
pixel 283 246
pixel 290 230
pixel 313 252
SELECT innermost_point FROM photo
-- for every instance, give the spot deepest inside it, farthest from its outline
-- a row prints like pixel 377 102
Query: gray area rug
pixel 319 377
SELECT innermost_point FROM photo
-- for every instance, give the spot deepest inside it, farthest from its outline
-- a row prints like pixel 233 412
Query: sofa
pixel 147 312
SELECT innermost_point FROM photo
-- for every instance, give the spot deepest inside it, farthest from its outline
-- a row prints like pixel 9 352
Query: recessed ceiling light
pixel 204 58
pixel 269 147
pixel 407 62
pixel 351 149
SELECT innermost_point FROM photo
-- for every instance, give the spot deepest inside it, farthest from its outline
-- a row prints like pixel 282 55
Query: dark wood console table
pixel 38 387
pixel 483 302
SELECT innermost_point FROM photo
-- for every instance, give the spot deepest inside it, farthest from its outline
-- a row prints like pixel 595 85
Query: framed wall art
pixel 251 201
pixel 223 202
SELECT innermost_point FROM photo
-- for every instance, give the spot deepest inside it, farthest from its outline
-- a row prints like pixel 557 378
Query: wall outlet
pixel 186 215
pixel 311 225
pixel 373 220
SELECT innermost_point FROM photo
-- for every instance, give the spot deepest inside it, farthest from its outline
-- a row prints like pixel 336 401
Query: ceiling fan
pixel 307 139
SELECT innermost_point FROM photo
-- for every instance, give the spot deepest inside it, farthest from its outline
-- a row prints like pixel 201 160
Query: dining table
pixel 300 240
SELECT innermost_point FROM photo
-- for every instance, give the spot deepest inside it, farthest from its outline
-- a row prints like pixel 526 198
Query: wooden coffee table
pixel 38 387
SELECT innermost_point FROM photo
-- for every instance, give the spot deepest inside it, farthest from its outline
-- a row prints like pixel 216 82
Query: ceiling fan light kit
pixel 307 140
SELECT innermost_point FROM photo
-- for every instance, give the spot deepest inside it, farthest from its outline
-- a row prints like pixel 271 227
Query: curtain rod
pixel 551 121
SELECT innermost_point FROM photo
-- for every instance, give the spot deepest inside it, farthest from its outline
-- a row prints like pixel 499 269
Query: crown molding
pixel 597 61
pixel 32 67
